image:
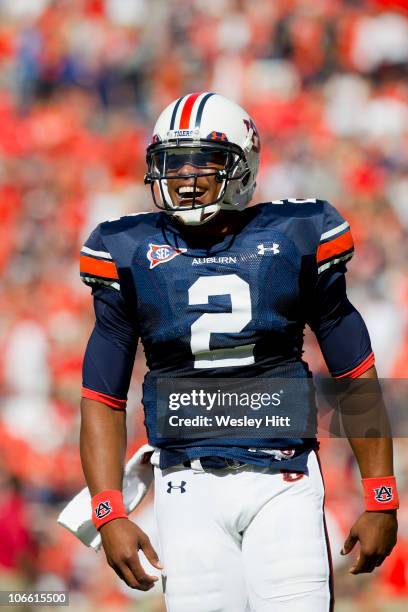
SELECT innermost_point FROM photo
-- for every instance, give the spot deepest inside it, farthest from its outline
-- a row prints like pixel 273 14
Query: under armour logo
pixel 274 249
pixel 383 494
pixel 103 509
pixel 181 486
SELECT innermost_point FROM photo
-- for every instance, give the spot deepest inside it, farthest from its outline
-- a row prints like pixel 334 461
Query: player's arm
pixel 102 447
pixel 376 530
pixel 107 368
pixel 345 344
pixel 106 372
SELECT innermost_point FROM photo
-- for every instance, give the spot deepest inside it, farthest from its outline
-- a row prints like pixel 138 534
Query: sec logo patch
pixel 162 253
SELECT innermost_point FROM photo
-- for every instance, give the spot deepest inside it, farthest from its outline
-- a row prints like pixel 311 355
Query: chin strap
pixel 197 216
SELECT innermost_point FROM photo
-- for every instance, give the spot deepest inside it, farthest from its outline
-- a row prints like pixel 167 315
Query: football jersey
pixel 232 307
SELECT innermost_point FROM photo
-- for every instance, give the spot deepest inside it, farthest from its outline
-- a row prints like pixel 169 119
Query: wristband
pixel 380 493
pixel 106 506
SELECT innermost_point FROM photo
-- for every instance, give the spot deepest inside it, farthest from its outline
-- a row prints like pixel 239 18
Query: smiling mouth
pixel 186 194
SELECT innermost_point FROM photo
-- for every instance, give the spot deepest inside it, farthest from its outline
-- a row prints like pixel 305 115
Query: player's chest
pixel 252 276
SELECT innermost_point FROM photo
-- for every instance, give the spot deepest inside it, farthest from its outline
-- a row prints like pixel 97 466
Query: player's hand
pixel 121 541
pixel 377 534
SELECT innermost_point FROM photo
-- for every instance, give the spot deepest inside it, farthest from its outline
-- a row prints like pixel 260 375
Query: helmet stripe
pixel 173 116
pixel 201 108
pixel 188 107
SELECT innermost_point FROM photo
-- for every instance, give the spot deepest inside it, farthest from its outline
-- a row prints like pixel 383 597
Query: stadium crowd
pixel 81 82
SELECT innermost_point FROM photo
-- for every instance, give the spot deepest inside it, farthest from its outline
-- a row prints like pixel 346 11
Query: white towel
pixel 77 514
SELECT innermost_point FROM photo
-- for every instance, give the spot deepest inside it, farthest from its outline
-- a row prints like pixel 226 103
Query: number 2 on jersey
pixel 220 322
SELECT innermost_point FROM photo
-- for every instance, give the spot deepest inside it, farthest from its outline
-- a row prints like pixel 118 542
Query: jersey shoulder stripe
pixel 97 254
pixel 99 268
pixel 341 259
pixel 336 241
pixel 336 231
pixel 337 246
pixel 96 263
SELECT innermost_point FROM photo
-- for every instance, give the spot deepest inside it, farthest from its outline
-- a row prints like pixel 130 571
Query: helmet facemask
pixel 183 193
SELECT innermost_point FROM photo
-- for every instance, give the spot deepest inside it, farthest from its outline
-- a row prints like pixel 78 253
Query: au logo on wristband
pixel 383 494
pixel 103 509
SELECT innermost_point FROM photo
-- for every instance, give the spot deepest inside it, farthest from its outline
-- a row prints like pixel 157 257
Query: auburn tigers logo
pixel 383 494
pixel 162 253
pixel 251 127
pixel 103 509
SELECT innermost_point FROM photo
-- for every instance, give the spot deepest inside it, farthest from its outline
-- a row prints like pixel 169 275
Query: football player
pixel 214 288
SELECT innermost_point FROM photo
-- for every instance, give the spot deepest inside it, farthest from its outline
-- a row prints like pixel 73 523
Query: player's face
pixel 184 187
pixel 191 176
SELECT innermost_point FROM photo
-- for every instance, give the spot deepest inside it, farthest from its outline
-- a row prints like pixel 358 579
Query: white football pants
pixel 249 539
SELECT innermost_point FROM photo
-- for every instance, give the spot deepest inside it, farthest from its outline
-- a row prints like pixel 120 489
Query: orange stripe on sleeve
pixel 360 369
pixel 97 267
pixel 335 247
pixel 109 400
pixel 186 114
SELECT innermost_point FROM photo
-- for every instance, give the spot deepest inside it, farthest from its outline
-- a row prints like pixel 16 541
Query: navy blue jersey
pixel 231 307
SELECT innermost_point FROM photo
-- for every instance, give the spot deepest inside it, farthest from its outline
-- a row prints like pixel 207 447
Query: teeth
pixel 189 189
pixel 186 189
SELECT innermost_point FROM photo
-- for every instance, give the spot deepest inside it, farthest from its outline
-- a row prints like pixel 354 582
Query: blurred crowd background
pixel 81 83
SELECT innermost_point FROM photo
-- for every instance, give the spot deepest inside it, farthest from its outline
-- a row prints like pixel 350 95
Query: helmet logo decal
pixel 162 253
pixel 217 136
pixel 256 143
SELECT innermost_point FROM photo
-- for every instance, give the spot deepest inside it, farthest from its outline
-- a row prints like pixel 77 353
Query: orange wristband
pixel 107 506
pixel 380 493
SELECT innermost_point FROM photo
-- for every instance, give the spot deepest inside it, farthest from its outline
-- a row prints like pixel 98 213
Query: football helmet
pixel 202 135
